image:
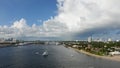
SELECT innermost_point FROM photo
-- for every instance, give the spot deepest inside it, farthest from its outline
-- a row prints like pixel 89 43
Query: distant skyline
pixel 60 19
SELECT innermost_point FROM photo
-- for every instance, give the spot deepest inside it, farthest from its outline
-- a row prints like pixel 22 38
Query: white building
pixel 75 46
pixel 114 53
pixel 109 39
pixel 89 39
pixel 117 40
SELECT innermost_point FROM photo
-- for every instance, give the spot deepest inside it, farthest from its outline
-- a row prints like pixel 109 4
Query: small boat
pixel 45 53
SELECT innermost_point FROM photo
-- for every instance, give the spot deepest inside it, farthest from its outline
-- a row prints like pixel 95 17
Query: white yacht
pixel 45 53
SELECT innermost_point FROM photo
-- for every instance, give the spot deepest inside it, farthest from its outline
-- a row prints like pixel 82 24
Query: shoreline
pixel 113 58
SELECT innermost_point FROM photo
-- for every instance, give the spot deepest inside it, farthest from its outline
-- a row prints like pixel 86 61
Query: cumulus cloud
pixel 20 28
pixel 89 17
pixel 74 18
pixel 80 15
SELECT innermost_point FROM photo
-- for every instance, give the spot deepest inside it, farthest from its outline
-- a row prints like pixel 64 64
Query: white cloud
pixel 74 17
pixel 80 15
pixel 84 16
pixel 20 24
pixel 22 29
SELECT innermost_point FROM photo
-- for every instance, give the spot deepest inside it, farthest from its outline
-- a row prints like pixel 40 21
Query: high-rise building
pixel 89 39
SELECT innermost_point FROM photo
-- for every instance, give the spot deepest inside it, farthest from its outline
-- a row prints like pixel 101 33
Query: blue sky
pixel 31 10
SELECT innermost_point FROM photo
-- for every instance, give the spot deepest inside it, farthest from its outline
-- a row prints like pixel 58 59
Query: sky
pixel 32 10
pixel 60 19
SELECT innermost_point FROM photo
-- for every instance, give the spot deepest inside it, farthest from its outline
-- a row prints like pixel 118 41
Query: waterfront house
pixel 114 53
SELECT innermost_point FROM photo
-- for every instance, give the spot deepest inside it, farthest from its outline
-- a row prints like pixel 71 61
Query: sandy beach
pixel 114 58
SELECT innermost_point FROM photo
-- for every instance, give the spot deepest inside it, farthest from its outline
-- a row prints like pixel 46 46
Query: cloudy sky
pixel 60 19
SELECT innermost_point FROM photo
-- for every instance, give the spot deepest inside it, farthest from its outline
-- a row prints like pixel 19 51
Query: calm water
pixel 59 57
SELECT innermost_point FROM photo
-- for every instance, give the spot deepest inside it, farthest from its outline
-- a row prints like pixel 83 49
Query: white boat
pixel 45 53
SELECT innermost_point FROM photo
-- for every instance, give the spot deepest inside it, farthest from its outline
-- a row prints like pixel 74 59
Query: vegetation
pixel 98 48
